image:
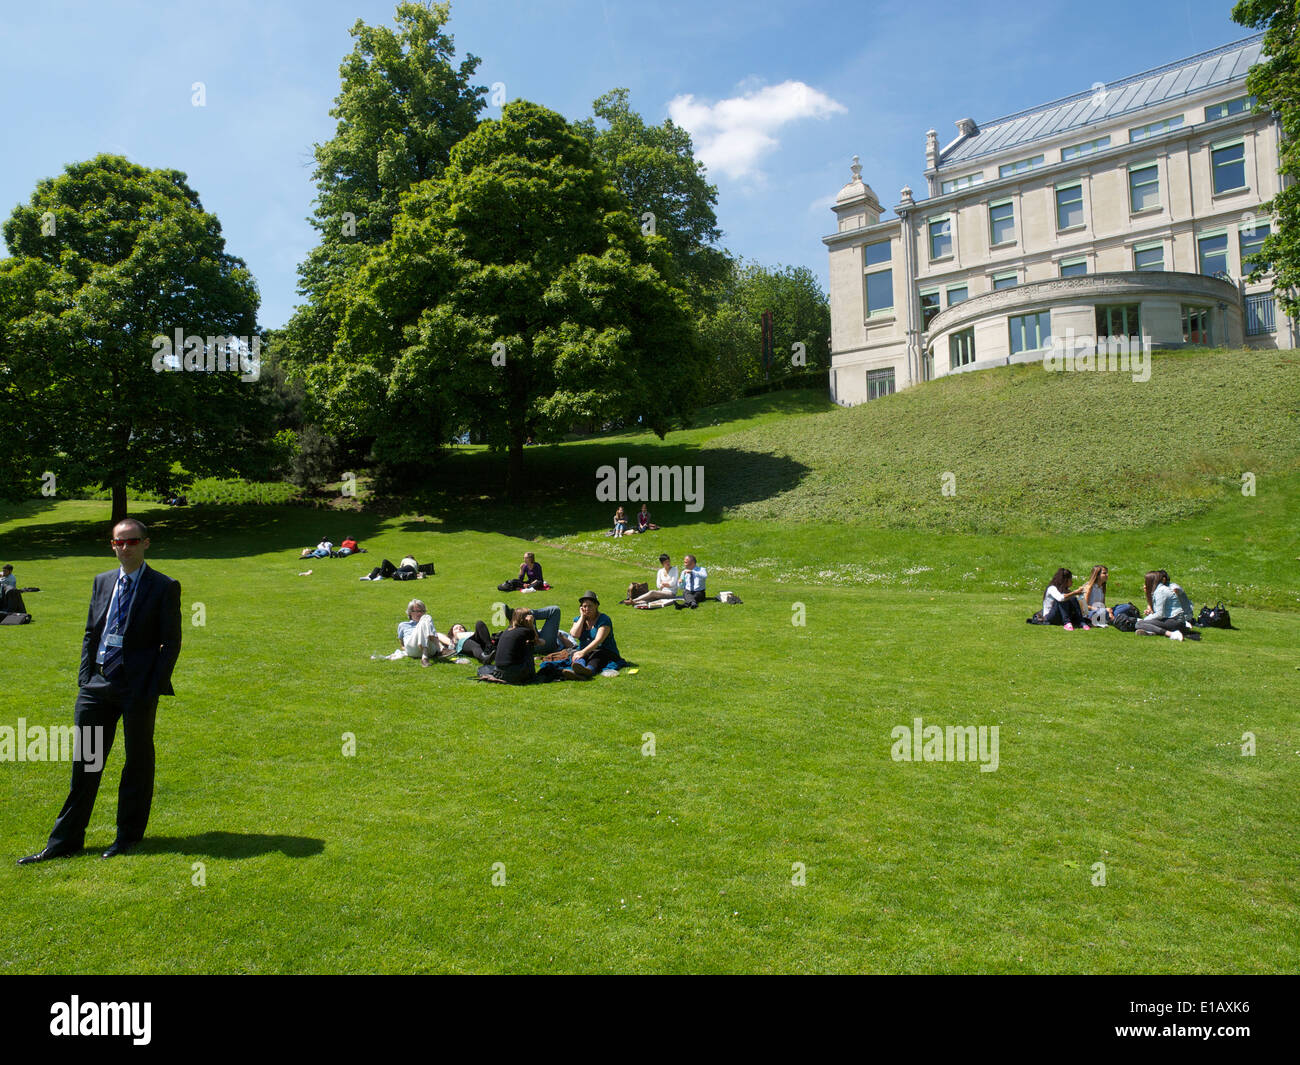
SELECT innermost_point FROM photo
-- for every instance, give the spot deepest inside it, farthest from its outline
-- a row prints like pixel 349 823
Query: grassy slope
pixel 772 748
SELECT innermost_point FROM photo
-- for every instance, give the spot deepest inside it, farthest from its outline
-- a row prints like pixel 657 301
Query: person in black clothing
pixel 514 657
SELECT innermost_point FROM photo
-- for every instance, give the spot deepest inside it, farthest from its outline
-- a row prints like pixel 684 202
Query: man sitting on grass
pixel 418 635
pixel 693 578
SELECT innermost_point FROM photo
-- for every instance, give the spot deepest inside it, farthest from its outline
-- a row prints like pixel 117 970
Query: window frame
pixel 1151 245
pixel 1211 234
pixel 937 293
pixel 1085 149
pixel 995 280
pixel 996 205
pixel 1043 339
pixel 961 348
pixel 941 220
pixel 1155 129
pixel 1081 260
pixel 868 274
pixel 1083 220
pixel 1223 146
pixel 1135 168
pixel 966 181
pixel 1022 166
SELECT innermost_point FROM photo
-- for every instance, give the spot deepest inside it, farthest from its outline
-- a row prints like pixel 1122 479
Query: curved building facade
pixel 1129 211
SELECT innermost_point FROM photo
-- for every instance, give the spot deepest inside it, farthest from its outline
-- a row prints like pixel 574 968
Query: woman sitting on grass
pixel 594 633
pixel 1060 605
pixel 1093 594
pixel 530 573
pixel 1169 611
pixel 643 522
pixel 620 522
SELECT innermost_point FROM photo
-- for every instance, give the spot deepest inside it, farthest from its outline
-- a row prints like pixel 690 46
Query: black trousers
pixel 100 705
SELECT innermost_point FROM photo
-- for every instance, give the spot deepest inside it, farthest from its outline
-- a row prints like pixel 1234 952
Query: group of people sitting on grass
pixel 1168 610
pixel 643 522
pixel 326 549
pixel 587 649
pixel 683 590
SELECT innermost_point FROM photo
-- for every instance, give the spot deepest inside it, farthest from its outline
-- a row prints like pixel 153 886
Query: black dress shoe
pixel 46 855
pixel 120 846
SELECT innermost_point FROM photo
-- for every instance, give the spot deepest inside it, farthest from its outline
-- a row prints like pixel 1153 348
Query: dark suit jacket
pixel 152 641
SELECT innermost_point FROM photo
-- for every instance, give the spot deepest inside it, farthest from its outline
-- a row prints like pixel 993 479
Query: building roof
pixel 1103 103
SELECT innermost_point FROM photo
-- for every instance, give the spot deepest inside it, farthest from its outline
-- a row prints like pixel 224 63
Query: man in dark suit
pixel 133 637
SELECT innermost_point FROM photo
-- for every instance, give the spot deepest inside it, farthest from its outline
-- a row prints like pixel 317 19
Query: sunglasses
pixel 130 541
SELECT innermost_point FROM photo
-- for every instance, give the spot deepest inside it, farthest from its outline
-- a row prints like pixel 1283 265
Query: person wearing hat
pixel 665 589
pixel 594 633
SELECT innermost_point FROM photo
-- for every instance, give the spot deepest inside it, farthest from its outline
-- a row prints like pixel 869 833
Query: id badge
pixel 113 639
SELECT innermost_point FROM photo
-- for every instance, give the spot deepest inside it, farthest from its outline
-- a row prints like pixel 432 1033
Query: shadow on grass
pixel 233 845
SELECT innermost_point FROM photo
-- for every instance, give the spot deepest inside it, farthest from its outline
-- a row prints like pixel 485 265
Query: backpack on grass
pixel 1125 622
pixel 1214 617
pixel 15 617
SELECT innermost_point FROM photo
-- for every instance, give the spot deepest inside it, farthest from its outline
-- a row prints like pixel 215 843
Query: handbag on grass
pixel 1214 617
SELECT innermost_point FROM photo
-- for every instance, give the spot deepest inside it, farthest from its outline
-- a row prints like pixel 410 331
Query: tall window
pixel 880 383
pixel 1196 325
pixel 1259 315
pixel 940 237
pixel 1229 166
pixel 961 348
pixel 956 294
pixel 1001 281
pixel 880 283
pixel 1252 242
pixel 1119 320
pixel 1144 186
pixel 1213 252
pixel 1148 257
pixel 1002 222
pixel 1069 207
pixel 1030 332
pixel 1074 267
pixel 929 307
pixel 1154 129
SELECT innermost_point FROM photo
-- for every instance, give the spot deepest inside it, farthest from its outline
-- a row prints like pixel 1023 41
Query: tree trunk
pixel 119 502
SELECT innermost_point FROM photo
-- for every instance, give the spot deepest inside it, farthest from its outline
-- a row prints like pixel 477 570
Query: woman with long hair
pixel 1061 605
pixel 1169 611
pixel 1093 597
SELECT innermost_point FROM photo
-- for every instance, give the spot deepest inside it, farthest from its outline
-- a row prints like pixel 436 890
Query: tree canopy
pixel 401 106
pixel 113 265
pixel 517 295
pixel 1275 83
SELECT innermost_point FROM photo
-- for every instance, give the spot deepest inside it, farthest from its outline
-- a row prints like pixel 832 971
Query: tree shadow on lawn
pixel 190 532
pixel 468 495
pixel 232 845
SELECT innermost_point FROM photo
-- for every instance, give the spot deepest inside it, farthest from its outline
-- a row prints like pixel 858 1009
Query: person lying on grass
pixel 324 549
pixel 514 656
pixel 1169 611
pixel 462 641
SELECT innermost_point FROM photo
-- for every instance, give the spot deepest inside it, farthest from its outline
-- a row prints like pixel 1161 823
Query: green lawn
pixel 771 747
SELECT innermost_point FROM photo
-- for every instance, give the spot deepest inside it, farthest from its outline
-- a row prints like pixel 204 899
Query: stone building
pixel 1125 211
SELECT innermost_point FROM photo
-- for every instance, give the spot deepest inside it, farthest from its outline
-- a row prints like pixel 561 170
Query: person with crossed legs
pixel 132 641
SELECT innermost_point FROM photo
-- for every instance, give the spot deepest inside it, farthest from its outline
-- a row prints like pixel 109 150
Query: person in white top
pixel 1061 605
pixel 665 589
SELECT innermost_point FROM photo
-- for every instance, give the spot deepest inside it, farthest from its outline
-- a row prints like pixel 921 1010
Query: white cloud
pixel 732 134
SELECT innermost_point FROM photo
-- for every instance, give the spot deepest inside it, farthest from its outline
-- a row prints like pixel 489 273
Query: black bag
pixel 512 585
pixel 1215 617
pixel 1124 621
pixel 1036 619
pixel 15 618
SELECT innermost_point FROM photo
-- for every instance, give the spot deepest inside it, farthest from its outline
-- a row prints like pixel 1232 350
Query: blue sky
pixel 779 97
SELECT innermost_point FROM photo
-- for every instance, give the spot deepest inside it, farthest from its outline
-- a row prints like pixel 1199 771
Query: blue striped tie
pixel 116 622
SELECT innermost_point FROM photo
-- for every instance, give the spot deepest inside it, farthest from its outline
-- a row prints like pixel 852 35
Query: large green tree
pixel 402 105
pixel 110 258
pixel 656 170
pixel 731 335
pixel 517 295
pixel 1275 83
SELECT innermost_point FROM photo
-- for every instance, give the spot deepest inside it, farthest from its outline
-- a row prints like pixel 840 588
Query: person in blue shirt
pixel 693 579
pixel 1169 611
pixel 594 633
